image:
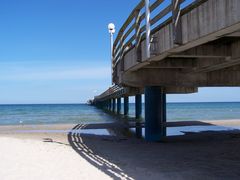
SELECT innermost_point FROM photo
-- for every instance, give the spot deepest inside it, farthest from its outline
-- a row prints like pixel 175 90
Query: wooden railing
pixel 112 91
pixel 132 33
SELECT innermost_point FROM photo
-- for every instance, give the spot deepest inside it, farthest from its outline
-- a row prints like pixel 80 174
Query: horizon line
pixel 122 103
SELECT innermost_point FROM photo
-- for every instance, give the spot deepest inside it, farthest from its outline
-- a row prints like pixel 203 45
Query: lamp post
pixel 111 30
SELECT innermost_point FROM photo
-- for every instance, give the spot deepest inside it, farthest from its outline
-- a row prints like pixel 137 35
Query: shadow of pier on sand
pixel 205 154
pixel 76 140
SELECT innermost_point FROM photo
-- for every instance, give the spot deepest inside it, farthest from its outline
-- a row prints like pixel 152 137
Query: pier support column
pixel 138 115
pixel 103 104
pixel 126 106
pixel 119 106
pixel 109 104
pixel 155 113
pixel 106 105
pixel 113 105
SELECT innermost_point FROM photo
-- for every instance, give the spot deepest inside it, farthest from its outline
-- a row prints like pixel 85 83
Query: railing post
pixel 138 36
pixel 176 20
pixel 121 53
pixel 148 28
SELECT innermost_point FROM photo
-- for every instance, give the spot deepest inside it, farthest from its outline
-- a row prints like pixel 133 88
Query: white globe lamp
pixel 111 28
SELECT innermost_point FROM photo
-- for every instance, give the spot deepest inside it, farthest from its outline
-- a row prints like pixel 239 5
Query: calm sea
pixel 81 113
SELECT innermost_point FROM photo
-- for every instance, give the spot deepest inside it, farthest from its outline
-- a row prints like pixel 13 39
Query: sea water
pixel 51 114
pixel 82 113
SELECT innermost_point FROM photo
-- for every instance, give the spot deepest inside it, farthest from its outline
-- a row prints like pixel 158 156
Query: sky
pixel 57 51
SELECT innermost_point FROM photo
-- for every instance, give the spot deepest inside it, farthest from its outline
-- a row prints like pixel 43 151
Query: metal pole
pixel 148 28
pixel 111 42
pixel 111 30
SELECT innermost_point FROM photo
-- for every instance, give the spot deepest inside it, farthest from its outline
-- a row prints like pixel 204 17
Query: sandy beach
pixel 61 155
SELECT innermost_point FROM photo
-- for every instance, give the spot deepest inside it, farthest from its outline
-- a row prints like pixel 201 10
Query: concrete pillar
pixel 109 104
pixel 103 104
pixel 138 114
pixel 106 104
pixel 113 105
pixel 155 113
pixel 119 106
pixel 138 106
pixel 164 113
pixel 126 106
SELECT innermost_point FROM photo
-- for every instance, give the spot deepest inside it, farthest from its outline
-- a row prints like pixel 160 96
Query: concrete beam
pixel 217 66
pixel 176 78
pixel 173 63
pixel 210 50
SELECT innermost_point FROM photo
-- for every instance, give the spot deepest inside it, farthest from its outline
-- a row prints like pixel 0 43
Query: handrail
pixel 129 19
pixel 126 40
pixel 112 90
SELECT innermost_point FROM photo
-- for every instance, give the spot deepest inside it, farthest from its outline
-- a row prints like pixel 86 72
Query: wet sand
pixel 62 155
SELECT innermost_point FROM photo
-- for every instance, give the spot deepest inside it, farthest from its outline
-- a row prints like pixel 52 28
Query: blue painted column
pixel 109 104
pixel 155 113
pixel 102 105
pixel 164 113
pixel 138 106
pixel 105 105
pixel 126 106
pixel 119 106
pixel 113 105
pixel 138 114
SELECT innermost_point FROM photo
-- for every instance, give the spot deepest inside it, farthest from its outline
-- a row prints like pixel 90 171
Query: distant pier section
pixel 172 47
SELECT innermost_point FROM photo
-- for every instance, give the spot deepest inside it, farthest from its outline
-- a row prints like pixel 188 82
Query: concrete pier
pixel 155 113
pixel 186 52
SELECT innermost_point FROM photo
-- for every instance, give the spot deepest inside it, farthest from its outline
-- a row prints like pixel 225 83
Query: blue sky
pixel 57 51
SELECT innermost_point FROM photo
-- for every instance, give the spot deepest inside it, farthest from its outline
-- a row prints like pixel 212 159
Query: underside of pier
pixel 177 51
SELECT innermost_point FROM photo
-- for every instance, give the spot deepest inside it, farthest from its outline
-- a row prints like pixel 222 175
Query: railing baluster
pixel 148 28
pixel 177 28
pixel 121 53
pixel 124 40
pixel 138 36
